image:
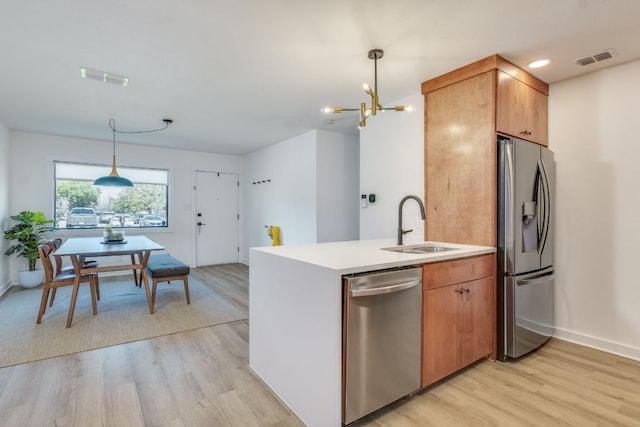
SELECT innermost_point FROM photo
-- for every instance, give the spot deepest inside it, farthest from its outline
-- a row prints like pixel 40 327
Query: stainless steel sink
pixel 422 249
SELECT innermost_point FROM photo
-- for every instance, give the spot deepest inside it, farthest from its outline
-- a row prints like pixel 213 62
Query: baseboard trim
pixel 5 287
pixel 623 350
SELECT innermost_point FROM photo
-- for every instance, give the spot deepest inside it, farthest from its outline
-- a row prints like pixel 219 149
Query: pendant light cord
pixel 112 125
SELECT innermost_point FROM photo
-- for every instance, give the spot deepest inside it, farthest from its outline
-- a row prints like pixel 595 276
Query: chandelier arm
pixel 343 109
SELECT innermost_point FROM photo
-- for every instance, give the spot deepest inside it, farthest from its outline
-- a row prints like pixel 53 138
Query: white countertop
pixel 366 255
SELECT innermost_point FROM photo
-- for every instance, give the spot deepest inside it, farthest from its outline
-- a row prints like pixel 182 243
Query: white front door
pixel 217 218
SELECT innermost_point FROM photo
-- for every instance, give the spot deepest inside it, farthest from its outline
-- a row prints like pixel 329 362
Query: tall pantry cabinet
pixel 465 110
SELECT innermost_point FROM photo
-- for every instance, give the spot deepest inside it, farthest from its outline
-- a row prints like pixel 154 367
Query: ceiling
pixel 238 75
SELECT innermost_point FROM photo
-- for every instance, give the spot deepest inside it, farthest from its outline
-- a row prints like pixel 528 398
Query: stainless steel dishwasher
pixel 382 339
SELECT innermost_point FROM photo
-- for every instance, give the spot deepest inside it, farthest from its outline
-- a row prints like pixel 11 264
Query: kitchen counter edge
pixel 358 256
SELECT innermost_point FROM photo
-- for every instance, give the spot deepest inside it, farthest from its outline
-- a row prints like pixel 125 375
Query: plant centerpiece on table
pixel 28 232
pixel 112 236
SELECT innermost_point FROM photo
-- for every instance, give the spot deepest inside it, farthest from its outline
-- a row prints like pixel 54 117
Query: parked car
pixel 106 217
pixel 82 217
pixel 152 221
pixel 122 220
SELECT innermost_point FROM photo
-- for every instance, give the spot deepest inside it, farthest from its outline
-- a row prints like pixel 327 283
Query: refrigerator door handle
pixel 545 205
pixel 509 214
pixel 532 280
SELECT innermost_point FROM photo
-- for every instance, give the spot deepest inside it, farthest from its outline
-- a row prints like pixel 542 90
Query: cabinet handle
pixel 526 132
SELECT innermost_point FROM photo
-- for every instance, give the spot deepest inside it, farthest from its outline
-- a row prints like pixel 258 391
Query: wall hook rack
pixel 264 181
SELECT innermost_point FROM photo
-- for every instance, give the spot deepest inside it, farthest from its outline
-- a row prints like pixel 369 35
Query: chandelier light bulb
pixel 404 108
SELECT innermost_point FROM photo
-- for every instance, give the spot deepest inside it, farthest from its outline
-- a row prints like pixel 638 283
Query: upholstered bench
pixel 164 268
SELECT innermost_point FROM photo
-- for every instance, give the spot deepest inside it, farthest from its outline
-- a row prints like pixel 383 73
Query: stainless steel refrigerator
pixel 526 176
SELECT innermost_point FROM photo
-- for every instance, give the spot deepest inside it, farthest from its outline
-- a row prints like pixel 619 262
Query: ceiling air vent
pixel 597 57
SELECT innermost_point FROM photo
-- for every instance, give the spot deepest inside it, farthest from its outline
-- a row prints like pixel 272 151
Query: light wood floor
pixel 560 384
pixel 201 378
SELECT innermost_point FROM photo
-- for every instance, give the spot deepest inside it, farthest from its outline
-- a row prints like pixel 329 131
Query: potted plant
pixel 112 236
pixel 28 233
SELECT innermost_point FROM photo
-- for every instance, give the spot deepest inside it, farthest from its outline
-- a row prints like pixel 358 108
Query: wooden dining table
pixel 80 248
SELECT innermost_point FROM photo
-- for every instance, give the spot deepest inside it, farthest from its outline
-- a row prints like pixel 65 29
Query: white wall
pixel 392 166
pixel 593 129
pixel 338 176
pixel 309 175
pixel 4 205
pixel 289 199
pixel 31 179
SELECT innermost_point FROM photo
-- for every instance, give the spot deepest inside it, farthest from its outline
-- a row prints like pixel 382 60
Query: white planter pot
pixel 30 279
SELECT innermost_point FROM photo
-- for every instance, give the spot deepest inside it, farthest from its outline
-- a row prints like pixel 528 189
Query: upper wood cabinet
pixel 521 110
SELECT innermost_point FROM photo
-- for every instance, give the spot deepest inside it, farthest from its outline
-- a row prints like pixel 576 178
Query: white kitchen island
pixel 295 316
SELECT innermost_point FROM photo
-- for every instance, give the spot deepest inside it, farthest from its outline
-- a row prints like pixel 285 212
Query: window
pixel 78 204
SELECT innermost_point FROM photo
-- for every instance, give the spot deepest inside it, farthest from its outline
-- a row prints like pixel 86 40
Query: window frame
pixel 102 170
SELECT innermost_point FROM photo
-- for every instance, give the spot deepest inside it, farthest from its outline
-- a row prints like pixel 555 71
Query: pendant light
pixel 113 179
pixel 365 111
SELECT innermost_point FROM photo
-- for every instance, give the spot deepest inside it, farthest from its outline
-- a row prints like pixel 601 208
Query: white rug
pixel 123 316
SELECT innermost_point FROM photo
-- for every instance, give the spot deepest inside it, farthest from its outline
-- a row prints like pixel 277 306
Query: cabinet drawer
pixel 446 273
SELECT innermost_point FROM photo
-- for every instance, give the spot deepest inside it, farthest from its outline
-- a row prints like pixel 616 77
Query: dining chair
pixel 53 281
pixel 56 243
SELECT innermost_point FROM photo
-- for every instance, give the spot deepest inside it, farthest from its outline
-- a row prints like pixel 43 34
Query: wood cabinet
pixel 521 110
pixel 464 111
pixel 458 315
pixel 460 162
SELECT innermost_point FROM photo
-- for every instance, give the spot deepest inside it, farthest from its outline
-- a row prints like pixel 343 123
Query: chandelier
pixel 365 111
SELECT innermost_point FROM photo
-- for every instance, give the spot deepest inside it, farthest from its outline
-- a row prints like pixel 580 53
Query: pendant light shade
pixel 113 179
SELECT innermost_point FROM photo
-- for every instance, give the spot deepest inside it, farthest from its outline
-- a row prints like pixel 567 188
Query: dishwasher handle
pixel 354 293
